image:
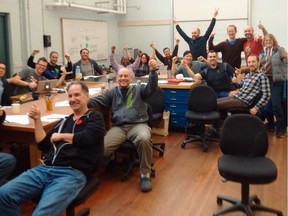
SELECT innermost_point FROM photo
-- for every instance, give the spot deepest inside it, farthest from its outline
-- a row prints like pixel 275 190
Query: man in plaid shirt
pixel 253 84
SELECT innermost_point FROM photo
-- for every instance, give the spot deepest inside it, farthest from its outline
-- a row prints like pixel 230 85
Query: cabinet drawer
pixel 176 96
pixel 177 123
pixel 176 107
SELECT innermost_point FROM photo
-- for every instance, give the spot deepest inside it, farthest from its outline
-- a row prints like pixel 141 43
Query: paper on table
pixel 93 91
pixel 162 81
pixel 20 119
pixel 62 103
pixel 87 77
pixel 23 119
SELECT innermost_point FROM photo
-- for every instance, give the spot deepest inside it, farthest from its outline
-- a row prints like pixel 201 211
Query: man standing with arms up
pixel 197 44
pixel 167 58
pixel 129 118
pixel 230 48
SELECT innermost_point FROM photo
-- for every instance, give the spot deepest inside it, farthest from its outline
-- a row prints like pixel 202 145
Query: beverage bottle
pixel 78 74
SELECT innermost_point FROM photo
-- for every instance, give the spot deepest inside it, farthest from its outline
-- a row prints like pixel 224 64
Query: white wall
pixel 273 15
pixel 145 21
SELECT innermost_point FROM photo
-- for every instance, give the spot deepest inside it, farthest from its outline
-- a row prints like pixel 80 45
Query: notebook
pixel 45 86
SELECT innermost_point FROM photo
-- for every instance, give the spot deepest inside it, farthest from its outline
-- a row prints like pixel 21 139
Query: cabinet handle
pixel 173 99
pixel 173 92
pixel 173 106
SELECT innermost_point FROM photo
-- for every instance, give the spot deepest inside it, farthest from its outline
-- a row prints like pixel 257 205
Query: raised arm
pixel 113 61
pixel 173 66
pixel 261 26
pixel 69 63
pixel 217 47
pixel 30 61
pixel 212 24
pixel 153 54
pixel 176 48
pixel 62 78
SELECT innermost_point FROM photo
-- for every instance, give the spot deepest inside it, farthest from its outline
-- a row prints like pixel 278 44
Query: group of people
pixel 79 143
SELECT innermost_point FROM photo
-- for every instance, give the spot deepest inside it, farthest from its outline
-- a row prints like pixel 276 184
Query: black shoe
pixel 280 134
pixel 146 184
pixel 111 166
pixel 270 127
pixel 213 133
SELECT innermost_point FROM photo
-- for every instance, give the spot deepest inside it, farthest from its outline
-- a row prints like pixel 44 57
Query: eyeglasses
pixel 41 65
pixel 3 68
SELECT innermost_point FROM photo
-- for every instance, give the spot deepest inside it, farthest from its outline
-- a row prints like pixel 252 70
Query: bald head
pixel 195 33
pixel 124 78
pixel 249 32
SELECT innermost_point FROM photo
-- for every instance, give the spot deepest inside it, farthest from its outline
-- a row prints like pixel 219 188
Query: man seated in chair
pixel 217 75
pixel 70 151
pixel 250 86
pixel 129 118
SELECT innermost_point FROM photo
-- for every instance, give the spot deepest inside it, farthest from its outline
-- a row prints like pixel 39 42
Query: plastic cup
pixel 15 107
pixel 169 75
pixel 49 101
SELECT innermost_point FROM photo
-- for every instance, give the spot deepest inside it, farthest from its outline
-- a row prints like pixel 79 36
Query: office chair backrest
pixel 202 99
pixel 157 104
pixel 244 134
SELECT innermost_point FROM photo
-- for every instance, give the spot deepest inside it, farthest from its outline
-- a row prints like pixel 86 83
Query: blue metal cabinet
pixel 177 103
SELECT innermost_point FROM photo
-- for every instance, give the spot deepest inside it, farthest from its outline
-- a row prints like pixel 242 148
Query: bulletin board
pixel 79 34
pixel 191 14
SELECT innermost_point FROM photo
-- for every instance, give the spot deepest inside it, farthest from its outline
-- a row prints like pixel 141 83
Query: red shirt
pixel 251 47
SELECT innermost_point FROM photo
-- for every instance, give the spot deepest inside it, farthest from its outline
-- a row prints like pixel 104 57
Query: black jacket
pixel 86 151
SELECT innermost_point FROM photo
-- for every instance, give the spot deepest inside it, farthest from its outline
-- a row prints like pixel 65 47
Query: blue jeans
pixel 7 165
pixel 57 187
pixel 274 106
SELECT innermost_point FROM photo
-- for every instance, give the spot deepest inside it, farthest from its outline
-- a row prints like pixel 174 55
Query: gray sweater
pixel 131 109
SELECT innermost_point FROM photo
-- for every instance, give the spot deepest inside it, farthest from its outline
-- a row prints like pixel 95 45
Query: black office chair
pixel 128 148
pixel 244 144
pixel 157 104
pixel 202 109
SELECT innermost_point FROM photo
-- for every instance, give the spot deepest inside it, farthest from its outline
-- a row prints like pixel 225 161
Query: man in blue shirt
pixel 197 43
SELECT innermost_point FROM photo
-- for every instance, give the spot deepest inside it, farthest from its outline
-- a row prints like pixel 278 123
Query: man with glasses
pixel 26 80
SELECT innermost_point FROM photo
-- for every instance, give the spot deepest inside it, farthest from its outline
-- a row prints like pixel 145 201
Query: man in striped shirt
pixel 253 84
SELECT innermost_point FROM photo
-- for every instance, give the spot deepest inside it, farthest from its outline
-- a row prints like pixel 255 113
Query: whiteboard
pixel 203 10
pixel 220 29
pixel 79 34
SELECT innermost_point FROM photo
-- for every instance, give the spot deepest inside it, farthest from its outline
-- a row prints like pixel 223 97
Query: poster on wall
pixel 79 34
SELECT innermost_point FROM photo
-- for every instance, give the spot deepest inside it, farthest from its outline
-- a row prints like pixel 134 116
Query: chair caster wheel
pixel 280 214
pixel 161 154
pixel 257 201
pixel 162 146
pixel 123 178
pixel 205 149
pixel 182 145
pixel 219 201
pixel 153 174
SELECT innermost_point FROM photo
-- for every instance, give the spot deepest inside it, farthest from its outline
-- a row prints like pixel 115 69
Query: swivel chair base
pixel 248 208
